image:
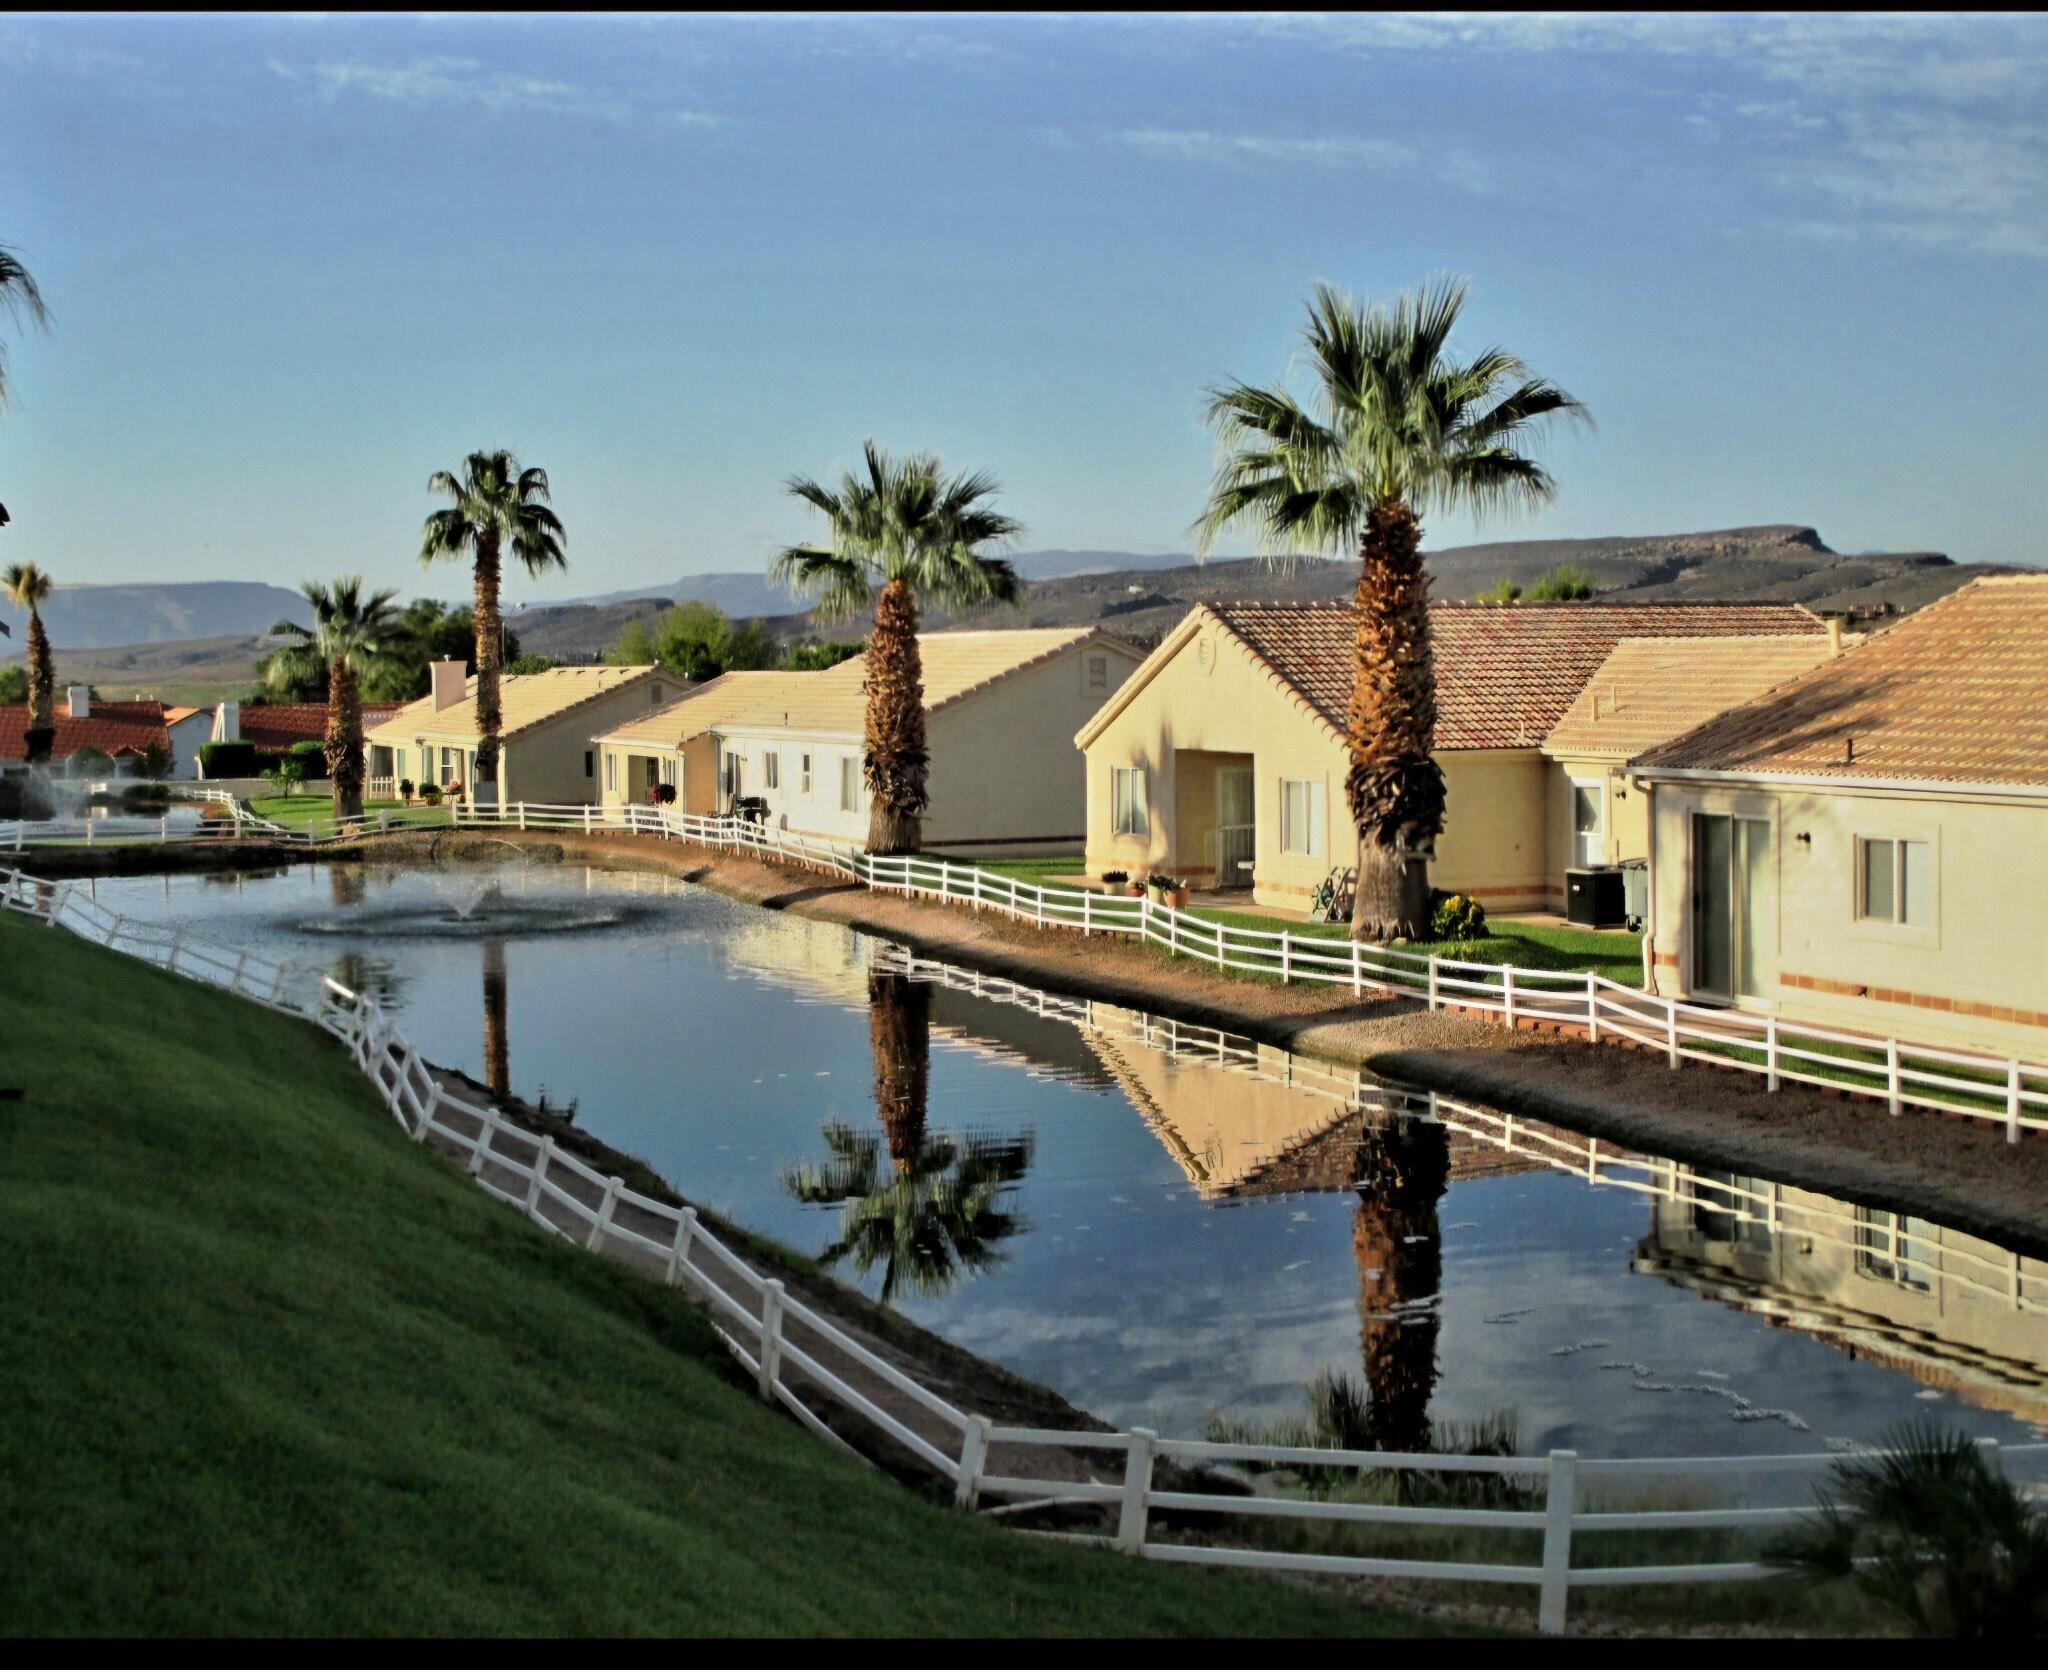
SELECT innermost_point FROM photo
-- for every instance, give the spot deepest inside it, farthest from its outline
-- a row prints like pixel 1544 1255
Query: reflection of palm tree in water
pixel 497 1049
pixel 1403 1169
pixel 346 884
pixel 937 1215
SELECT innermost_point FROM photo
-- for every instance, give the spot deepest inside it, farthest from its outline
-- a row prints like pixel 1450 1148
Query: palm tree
pixel 28 588
pixel 938 1214
pixel 1402 1171
pixel 1398 428
pixel 919 536
pixel 497 1046
pixel 495 504
pixel 352 634
pixel 19 299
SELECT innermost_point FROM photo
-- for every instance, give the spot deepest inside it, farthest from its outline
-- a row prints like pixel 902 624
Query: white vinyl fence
pixel 2005 1089
pixel 800 1358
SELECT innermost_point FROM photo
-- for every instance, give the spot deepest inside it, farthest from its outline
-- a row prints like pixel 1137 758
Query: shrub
pixel 430 794
pixel 661 794
pixel 1164 883
pixel 405 788
pixel 309 749
pixel 287 773
pixel 89 762
pixel 228 759
pixel 1456 916
pixel 1566 583
pixel 1505 592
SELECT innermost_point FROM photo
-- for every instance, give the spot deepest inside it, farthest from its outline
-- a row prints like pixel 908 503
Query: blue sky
pixel 1797 268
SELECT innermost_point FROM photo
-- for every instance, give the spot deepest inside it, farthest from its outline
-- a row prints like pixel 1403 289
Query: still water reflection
pixel 1164 1221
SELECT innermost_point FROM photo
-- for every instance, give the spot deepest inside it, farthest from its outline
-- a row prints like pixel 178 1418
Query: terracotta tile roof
pixel 112 727
pixel 956 665
pixel 1650 690
pixel 1505 674
pixel 524 700
pixel 277 725
pixel 1955 693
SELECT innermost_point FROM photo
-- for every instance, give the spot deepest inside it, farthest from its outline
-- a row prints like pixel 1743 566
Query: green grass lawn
pixel 270 1368
pixel 295 810
pixel 1619 956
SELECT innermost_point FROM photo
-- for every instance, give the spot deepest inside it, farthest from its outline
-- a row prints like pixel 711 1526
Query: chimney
pixel 449 682
pixel 227 722
pixel 1834 636
pixel 78 700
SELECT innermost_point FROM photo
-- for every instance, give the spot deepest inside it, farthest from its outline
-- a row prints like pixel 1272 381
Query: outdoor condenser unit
pixel 1594 898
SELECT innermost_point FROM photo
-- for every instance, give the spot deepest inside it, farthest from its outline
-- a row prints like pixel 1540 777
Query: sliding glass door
pixel 1735 907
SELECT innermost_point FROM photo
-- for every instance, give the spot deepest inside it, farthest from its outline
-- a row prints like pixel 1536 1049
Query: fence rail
pixel 801 1359
pixel 2006 1090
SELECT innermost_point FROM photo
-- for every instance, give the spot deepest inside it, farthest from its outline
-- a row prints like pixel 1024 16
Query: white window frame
pixel 804 776
pixel 1894 926
pixel 771 769
pixel 852 786
pixel 1598 786
pixel 668 769
pixel 1095 675
pixel 1315 814
pixel 1129 815
pixel 611 771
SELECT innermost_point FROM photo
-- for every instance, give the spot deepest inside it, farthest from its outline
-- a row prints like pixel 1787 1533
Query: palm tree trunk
pixel 42 690
pixel 1398 1244
pixel 1395 786
pixel 489 717
pixel 497 1046
pixel 899 1028
pixel 344 750
pixel 896 758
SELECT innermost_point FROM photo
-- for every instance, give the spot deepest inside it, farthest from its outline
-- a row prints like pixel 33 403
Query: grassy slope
pixel 269 1368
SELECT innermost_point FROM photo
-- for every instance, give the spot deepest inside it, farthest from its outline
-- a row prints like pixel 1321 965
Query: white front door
pixel 1589 823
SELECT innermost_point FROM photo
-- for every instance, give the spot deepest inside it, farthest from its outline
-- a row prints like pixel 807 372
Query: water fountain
pixel 504 906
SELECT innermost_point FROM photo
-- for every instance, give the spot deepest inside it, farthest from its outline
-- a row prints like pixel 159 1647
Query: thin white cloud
pixel 452 83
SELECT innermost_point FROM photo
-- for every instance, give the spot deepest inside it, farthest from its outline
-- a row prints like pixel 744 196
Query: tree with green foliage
pixel 28 588
pixel 1504 591
pixel 904 534
pixel 494 506
pixel 13 686
pixel 814 655
pixel 750 647
pixel 634 646
pixel 20 300
pixel 692 639
pixel 1395 428
pixel 348 637
pixel 1568 582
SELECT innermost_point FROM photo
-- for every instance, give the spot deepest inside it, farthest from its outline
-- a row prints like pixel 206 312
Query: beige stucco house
pixel 1866 844
pixel 1000 713
pixel 548 720
pixel 1223 759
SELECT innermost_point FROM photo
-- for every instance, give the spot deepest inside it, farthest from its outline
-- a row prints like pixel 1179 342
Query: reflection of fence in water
pixel 1992 1273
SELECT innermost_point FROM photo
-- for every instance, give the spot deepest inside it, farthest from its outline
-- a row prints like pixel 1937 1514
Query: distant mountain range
pixel 139 639
pixel 92 617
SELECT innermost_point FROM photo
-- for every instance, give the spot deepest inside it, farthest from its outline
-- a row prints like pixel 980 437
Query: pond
pixel 1165 1224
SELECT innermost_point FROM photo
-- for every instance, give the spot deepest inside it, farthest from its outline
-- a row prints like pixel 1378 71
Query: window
pixel 1301 816
pixel 731 773
pixel 1589 821
pixel 611 773
pixel 668 772
pixel 398 762
pixel 1892 1247
pixel 849 783
pixel 654 695
pixel 589 763
pixel 771 771
pixel 1895 882
pixel 1127 800
pixel 804 781
pixel 1098 675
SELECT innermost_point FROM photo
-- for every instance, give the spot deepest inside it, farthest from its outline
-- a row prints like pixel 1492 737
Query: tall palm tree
pixel 497 1042
pixel 352 634
pixel 19 300
pixel 495 504
pixel 1395 428
pixel 937 1215
pixel 1402 1171
pixel 904 535
pixel 28 589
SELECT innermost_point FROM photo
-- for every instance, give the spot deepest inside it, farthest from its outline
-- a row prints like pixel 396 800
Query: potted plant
pixel 452 791
pixel 1171 891
pixel 405 790
pixel 430 794
pixel 1139 884
pixel 661 794
pixel 1116 881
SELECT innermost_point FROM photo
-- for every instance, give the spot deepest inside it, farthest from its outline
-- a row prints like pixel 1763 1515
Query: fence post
pixel 771 1338
pixel 1432 980
pixel 540 1170
pixel 2012 1100
pixel 1560 1502
pixel 595 1240
pixel 522 817
pixel 1771 1053
pixel 1891 1076
pixel 481 1151
pixel 679 1254
pixel 1592 1008
pixel 1286 958
pixel 1671 1032
pixel 1087 899
pixel 973 1454
pixel 1507 987
pixel 1357 972
pixel 1137 1506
